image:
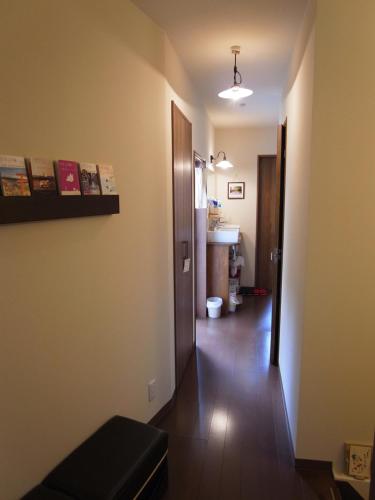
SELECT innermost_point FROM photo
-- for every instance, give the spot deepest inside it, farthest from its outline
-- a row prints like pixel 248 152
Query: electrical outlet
pixel 358 459
pixel 152 390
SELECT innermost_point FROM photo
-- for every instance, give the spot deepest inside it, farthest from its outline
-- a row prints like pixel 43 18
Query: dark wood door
pixel 277 252
pixel 265 221
pixel 183 239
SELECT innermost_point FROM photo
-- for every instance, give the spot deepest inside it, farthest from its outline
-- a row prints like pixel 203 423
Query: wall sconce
pixel 224 163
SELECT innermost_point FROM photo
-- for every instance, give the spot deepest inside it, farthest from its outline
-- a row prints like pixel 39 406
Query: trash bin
pixel 233 302
pixel 214 307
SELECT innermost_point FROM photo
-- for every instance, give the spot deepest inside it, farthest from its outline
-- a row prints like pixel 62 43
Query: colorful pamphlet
pixel 42 175
pixel 107 179
pixel 13 176
pixel 68 178
pixel 89 179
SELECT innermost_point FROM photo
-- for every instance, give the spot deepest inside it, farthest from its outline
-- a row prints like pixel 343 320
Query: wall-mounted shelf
pixel 38 207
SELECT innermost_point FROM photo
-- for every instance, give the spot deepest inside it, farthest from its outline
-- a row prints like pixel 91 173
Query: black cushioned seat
pixel 43 493
pixel 122 460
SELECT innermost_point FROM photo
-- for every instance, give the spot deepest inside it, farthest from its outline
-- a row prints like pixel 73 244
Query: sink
pixel 225 234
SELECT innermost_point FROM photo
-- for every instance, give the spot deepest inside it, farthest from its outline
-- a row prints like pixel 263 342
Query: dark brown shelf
pixel 37 207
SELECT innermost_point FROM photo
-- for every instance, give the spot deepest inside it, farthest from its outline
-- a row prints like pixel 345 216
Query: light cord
pixel 236 72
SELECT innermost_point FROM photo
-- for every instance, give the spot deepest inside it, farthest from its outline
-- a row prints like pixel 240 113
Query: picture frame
pixel 358 460
pixel 236 190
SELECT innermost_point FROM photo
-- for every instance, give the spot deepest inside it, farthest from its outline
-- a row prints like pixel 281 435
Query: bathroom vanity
pixel 218 271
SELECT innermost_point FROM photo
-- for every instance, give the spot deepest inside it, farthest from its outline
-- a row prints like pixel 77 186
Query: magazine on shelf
pixel 68 178
pixel 89 179
pixel 107 179
pixel 42 175
pixel 13 176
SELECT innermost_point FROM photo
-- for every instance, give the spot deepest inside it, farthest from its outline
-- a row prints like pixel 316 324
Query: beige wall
pixel 327 341
pixel 90 81
pixel 338 369
pixel 298 112
pixel 211 182
pixel 242 146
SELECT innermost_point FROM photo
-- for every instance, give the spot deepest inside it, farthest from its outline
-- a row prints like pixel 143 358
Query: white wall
pixel 90 81
pixel 242 146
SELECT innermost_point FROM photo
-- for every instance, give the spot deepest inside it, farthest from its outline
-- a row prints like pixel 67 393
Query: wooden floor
pixel 227 430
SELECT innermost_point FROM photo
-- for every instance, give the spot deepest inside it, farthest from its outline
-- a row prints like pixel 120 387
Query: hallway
pixel 227 430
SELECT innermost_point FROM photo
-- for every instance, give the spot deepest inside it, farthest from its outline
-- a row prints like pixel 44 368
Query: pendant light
pixel 224 163
pixel 236 91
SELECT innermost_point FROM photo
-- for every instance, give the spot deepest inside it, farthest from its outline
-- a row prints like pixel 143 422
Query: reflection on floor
pixel 228 433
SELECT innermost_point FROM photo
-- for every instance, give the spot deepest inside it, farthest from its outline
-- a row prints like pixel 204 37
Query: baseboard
pixel 163 412
pixel 303 463
pixel 291 446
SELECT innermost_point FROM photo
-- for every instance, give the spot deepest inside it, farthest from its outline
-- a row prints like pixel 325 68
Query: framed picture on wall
pixel 236 190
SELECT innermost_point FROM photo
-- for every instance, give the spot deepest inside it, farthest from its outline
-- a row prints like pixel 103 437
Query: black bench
pixel 122 460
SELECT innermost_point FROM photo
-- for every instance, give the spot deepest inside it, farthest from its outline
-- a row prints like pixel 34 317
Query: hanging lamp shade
pixel 236 92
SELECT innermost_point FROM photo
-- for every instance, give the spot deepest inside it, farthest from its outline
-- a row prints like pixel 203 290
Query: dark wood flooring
pixel 227 429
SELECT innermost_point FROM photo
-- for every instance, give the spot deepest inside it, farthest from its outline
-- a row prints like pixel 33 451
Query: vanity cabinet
pixel 218 272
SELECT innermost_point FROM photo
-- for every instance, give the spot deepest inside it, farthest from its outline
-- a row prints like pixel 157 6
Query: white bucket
pixel 214 307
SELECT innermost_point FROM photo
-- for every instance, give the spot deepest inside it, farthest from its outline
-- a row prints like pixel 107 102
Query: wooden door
pixel 277 252
pixel 183 239
pixel 265 221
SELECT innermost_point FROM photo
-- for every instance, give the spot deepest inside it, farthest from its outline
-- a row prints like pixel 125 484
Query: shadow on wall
pixel 152 44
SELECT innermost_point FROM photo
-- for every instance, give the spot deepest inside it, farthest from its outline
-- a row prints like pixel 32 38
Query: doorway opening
pixel 270 232
pixel 224 275
pixel 214 268
pixel 277 252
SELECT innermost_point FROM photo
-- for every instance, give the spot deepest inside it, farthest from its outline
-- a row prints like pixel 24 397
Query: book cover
pixel 68 179
pixel 107 179
pixel 89 179
pixel 42 175
pixel 13 176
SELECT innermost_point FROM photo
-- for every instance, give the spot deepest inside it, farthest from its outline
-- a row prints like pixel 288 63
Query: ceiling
pixel 202 32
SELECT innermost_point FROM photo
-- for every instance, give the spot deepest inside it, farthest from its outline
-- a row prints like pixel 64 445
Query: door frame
pixel 197 240
pixel 256 273
pixel 192 190
pixel 372 479
pixel 279 242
